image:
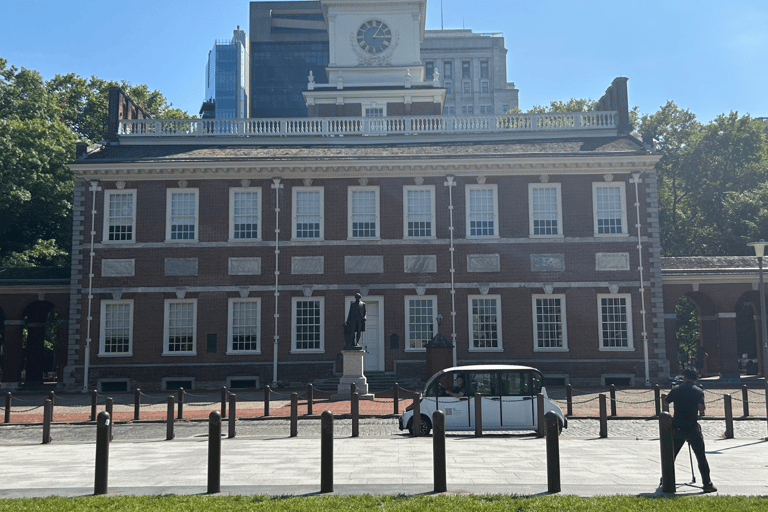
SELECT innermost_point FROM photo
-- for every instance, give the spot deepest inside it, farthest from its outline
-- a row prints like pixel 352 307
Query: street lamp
pixel 759 252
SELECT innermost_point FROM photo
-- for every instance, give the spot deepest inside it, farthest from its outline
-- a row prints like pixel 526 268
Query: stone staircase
pixel 376 381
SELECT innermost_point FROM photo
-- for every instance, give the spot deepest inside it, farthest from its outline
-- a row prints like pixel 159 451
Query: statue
pixel 355 324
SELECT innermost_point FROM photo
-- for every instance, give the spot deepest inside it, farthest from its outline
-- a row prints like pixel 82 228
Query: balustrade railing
pixel 338 126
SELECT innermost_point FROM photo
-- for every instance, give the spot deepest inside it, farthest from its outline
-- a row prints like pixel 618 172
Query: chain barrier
pixel 160 399
pixel 14 397
pixel 16 411
pixel 63 399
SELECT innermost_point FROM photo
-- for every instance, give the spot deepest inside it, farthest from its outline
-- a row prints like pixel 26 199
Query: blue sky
pixel 708 56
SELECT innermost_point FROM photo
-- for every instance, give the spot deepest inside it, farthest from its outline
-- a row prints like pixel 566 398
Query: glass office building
pixel 227 77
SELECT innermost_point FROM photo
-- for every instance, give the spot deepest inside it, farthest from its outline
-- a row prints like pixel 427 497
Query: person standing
pixel 689 402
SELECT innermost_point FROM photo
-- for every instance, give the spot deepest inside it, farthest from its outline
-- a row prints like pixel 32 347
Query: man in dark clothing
pixel 689 401
pixel 355 324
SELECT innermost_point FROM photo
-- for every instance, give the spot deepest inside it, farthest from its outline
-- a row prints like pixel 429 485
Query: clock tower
pixel 375 66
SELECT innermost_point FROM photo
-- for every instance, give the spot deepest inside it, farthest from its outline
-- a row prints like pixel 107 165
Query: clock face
pixel 374 36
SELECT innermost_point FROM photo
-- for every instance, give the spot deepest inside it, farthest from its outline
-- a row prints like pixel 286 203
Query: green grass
pixel 384 503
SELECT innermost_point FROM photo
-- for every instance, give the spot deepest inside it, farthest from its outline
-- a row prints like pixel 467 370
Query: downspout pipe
pixel 87 355
pixel 276 186
pixel 450 182
pixel 636 180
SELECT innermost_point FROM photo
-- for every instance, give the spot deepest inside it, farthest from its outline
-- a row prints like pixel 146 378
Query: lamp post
pixel 759 252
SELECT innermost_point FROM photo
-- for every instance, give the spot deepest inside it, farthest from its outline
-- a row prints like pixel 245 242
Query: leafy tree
pixel 578 105
pixel 688 334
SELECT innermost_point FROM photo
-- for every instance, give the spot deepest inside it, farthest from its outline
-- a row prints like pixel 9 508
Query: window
pixel 486 109
pixel 470 110
pixel 615 322
pixel 116 328
pixel 308 213
pixel 452 111
pixel 505 108
pixel 549 322
pixel 447 69
pixel 484 86
pixel 429 70
pixel 419 215
pixel 448 87
pixel 610 209
pixel 482 211
pixel 180 330
pixel 182 214
pixel 485 328
pixel 466 87
pixel 464 110
pixel 466 69
pixel 421 324
pixel 244 326
pixel 363 207
pixel 545 212
pixel 484 69
pixel 119 216
pixel 307 335
pixel 374 112
pixel 244 213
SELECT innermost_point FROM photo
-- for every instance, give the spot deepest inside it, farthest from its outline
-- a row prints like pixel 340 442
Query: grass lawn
pixel 388 503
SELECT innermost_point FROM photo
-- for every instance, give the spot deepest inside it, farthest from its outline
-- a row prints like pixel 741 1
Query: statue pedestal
pixel 353 374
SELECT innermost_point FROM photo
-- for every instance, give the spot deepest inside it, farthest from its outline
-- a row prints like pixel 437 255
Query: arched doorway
pixel 40 336
pixel 748 333
pixel 688 334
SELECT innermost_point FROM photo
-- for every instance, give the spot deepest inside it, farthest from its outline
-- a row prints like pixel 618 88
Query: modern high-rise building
pixel 226 74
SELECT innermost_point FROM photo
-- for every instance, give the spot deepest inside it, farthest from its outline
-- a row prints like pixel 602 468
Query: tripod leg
pixel 690 456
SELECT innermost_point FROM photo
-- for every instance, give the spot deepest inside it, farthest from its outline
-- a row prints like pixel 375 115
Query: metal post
pixel 294 414
pixel 763 326
pixel 745 400
pixel 667 453
pixel 766 402
pixel 541 431
pixel 569 400
pixel 136 404
pixel 109 406
pixel 232 415
pixel 310 399
pixel 47 415
pixel 664 403
pixel 214 452
pixel 223 402
pixel 478 415
pixel 352 388
pixel 417 415
pixel 438 451
pixel 613 399
pixel 396 395
pixel 657 399
pixel 355 414
pixel 103 424
pixel 267 391
pixel 553 452
pixel 728 416
pixel 182 393
pixel 603 417
pixel 326 452
pixel 52 398
pixel 94 403
pixel 8 400
pixel 169 418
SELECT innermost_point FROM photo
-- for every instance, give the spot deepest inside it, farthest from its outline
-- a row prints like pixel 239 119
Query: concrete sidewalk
pixel 376 465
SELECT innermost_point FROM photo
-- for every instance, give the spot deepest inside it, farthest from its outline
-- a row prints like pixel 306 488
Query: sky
pixel 710 57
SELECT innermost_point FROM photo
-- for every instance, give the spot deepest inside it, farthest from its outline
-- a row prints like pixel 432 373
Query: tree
pixel 578 105
pixel 687 333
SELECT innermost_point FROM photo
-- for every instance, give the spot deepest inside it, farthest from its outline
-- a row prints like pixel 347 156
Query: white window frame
pixel 231 327
pixel 471 325
pixel 427 74
pixel 351 214
pixel 407 215
pixel 532 214
pixel 469 212
pixel 563 323
pixel 630 336
pixel 466 87
pixel 169 217
pixel 295 214
pixel 259 228
pixel 448 84
pixel 485 87
pixel 368 110
pixel 294 348
pixel 485 66
pixel 448 71
pixel 623 197
pixel 408 299
pixel 103 328
pixel 166 327
pixel 107 218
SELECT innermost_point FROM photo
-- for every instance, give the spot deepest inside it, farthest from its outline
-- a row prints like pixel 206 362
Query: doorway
pixel 372 339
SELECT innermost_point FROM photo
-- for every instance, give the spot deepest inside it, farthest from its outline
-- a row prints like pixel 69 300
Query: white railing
pixel 334 126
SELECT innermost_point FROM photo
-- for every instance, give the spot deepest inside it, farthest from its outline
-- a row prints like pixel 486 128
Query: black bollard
pixel 310 399
pixel 657 398
pixel 267 392
pixel 438 451
pixel 766 400
pixel 417 415
pixel 396 395
pixel 664 404
pixel 182 393
pixel 103 424
pixel 745 400
pixel 355 414
pixel 667 453
pixel 232 415
pixel 553 452
pixel 214 452
pixel 8 400
pixel 223 402
pixel 94 403
pixel 52 398
pixel 478 415
pixel 169 418
pixel 108 406
pixel 569 400
pixel 613 399
pixel 294 414
pixel 728 416
pixel 542 423
pixel 47 416
pixel 352 388
pixel 326 452
pixel 603 417
pixel 136 404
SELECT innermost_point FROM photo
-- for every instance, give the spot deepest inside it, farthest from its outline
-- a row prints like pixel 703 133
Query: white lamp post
pixel 759 252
